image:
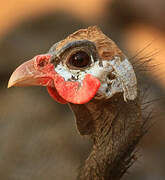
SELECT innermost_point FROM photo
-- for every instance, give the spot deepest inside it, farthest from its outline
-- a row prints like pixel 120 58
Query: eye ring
pixel 79 59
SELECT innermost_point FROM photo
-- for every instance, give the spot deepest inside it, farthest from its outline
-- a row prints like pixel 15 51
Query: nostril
pixel 42 63
pixel 42 60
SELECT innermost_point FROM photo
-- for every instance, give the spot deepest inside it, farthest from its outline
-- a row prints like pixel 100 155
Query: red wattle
pixel 54 94
pixel 76 93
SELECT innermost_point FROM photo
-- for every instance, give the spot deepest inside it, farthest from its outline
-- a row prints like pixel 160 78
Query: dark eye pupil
pixel 79 59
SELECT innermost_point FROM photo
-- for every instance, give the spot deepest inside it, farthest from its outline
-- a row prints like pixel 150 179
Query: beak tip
pixel 10 83
pixel 20 74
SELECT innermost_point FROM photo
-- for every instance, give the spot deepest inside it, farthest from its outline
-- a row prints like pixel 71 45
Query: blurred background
pixel 38 137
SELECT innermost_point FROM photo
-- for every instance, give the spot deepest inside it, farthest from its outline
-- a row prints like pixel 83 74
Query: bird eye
pixel 79 59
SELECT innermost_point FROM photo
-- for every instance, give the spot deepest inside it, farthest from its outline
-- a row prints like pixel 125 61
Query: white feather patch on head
pixel 124 78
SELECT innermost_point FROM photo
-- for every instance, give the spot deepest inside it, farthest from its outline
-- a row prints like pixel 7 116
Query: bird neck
pixel 117 127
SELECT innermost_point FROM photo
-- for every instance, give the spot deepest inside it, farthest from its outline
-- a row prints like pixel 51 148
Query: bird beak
pixel 26 75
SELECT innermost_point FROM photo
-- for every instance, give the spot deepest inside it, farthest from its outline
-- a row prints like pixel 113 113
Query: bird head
pixel 85 65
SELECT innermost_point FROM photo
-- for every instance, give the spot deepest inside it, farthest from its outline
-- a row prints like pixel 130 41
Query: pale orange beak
pixel 26 75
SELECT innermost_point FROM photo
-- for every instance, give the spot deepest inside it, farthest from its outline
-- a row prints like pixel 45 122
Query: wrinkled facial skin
pixel 75 74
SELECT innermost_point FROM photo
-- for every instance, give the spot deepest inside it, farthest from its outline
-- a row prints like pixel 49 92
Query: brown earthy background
pixel 38 138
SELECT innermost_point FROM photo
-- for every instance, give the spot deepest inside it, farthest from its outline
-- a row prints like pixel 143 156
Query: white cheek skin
pixel 60 69
pixel 94 69
pixel 124 80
